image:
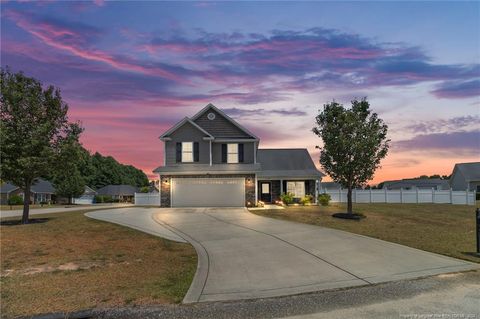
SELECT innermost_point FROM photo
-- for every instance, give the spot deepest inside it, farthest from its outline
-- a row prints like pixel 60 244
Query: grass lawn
pixel 440 228
pixel 72 262
pixel 35 206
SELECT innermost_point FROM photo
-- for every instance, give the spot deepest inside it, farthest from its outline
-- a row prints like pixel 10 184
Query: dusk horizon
pixel 129 71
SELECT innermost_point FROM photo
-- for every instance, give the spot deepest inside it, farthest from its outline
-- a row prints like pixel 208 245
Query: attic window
pixel 211 116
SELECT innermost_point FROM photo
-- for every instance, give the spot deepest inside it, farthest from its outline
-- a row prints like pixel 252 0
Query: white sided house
pixel 213 161
pixel 466 176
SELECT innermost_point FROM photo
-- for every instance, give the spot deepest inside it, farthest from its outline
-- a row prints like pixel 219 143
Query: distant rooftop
pixel 471 171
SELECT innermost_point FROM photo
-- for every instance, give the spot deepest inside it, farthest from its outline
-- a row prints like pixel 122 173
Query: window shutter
pixel 224 153
pixel 240 153
pixel 196 153
pixel 179 152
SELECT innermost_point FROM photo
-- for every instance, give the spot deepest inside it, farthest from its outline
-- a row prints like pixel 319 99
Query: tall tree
pixel 354 143
pixel 33 122
pixel 66 177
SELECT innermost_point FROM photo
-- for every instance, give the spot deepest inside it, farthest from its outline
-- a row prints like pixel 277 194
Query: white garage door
pixel 208 192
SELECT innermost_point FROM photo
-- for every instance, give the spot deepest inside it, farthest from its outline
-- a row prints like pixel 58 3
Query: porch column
pixel 281 186
pixel 317 183
pixel 256 190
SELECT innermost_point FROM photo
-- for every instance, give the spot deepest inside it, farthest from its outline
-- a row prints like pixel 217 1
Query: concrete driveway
pixel 243 256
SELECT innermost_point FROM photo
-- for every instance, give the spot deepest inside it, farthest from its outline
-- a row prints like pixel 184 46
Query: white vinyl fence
pixel 149 199
pixel 403 196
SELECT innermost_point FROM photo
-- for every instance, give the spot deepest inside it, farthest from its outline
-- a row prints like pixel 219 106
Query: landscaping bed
pixel 440 228
pixel 71 262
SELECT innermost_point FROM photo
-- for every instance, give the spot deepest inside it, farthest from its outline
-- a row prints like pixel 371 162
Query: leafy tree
pixel 67 179
pixel 33 122
pixel 354 143
pixel 99 171
pixel 144 189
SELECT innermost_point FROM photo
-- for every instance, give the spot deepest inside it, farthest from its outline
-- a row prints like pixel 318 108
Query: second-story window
pixel 232 153
pixel 187 152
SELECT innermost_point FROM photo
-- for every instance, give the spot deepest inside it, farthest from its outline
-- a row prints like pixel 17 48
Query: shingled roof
pixel 471 171
pixel 40 186
pixel 285 163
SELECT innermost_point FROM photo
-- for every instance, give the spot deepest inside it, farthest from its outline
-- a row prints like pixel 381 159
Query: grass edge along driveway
pixel 439 228
pixel 72 262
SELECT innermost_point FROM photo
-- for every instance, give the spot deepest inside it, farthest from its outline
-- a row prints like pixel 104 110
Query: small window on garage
pixel 297 188
pixel 187 152
pixel 232 153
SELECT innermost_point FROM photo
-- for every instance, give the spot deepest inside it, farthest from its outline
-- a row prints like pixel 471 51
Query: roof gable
pixel 470 171
pixel 222 126
pixel 43 186
pixel 185 121
pixel 6 188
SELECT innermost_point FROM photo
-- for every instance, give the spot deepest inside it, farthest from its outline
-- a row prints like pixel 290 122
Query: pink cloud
pixel 73 42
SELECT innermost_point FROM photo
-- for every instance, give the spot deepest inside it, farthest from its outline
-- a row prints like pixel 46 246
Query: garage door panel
pixel 208 192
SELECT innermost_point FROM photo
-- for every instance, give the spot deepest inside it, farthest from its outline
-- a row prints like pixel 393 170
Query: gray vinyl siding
pixel 248 152
pixel 187 133
pixel 219 127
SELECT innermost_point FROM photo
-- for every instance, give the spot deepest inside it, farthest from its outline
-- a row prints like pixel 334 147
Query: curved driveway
pixel 243 256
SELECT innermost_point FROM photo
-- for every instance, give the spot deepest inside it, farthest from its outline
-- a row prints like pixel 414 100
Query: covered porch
pixel 269 190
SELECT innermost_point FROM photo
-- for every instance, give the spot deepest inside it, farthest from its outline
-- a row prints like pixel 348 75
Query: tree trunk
pixel 349 200
pixel 26 203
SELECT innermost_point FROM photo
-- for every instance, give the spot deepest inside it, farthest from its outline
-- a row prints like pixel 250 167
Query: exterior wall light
pixel 165 181
pixel 249 180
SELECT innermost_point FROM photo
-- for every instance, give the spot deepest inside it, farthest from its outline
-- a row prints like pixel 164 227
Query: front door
pixel 265 192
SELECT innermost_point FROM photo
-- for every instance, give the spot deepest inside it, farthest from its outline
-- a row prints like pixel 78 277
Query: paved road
pixel 451 296
pixel 57 209
pixel 244 256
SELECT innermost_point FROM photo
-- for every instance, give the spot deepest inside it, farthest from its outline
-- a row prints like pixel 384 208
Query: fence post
pixel 478 229
pixel 433 195
pixel 340 194
pixel 417 194
pixel 466 192
pixel 370 195
pixel 451 195
pixel 355 195
pixel 401 195
pixel 386 197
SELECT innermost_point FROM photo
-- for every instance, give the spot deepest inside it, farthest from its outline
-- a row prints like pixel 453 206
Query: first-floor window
pixel 187 152
pixel 297 188
pixel 232 153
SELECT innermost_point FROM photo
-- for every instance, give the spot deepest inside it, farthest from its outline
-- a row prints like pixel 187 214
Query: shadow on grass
pixel 18 222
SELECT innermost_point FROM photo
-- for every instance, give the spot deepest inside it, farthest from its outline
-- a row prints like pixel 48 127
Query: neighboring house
pixel 88 197
pixel 417 183
pixel 42 191
pixel 6 190
pixel 122 193
pixel 329 186
pixel 466 176
pixel 211 160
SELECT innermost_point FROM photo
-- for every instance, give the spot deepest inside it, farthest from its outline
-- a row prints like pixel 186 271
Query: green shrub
pixel 307 199
pixel 287 198
pixel 103 199
pixel 324 199
pixel 15 200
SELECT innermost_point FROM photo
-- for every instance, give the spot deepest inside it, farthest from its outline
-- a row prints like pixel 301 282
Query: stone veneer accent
pixel 165 200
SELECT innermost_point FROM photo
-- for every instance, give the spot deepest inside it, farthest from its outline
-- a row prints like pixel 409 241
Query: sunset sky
pixel 130 70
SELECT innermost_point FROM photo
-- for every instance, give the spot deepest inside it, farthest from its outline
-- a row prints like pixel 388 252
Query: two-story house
pixel 210 160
